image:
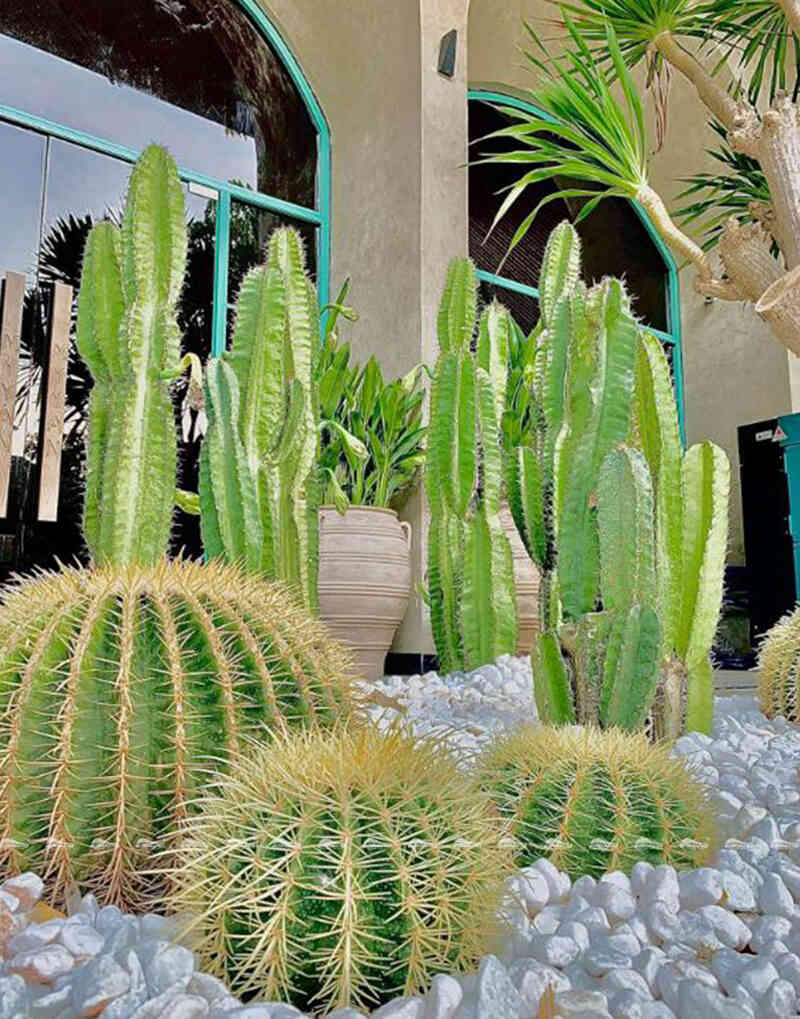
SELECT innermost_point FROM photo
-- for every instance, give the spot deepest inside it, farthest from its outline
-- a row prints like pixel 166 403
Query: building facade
pixel 337 118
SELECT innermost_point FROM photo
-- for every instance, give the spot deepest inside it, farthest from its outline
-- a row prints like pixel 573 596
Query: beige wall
pixel 734 371
pixel 363 61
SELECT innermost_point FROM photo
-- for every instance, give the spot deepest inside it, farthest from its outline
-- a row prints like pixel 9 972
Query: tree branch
pixel 708 88
pixel 672 234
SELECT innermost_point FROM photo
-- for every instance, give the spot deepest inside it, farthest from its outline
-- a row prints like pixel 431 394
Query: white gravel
pixel 721 942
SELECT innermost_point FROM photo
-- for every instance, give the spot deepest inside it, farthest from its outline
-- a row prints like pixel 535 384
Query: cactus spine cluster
pixel 125 688
pixel 629 533
pixel 779 669
pixel 595 801
pixel 470 578
pixel 128 335
pixel 258 478
pixel 340 869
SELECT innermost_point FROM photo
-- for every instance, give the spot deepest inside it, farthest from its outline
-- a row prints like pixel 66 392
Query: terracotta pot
pixel 526 580
pixel 364 580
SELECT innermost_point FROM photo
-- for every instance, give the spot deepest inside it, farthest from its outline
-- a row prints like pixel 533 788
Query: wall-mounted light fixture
pixel 447 53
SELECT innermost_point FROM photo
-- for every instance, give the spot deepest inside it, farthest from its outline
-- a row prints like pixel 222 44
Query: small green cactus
pixel 470 575
pixel 779 669
pixel 595 801
pixel 340 869
pixel 258 481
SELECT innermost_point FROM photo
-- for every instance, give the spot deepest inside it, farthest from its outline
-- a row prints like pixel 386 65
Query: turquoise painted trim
pixel 320 216
pixel 674 334
pixel 222 243
pixel 507 284
pixel 324 181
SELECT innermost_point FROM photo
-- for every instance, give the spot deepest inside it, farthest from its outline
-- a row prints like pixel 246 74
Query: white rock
pixel 626 1005
pixel 597 962
pixel 97 983
pixel 648 962
pixel 532 979
pixel 576 932
pixel 740 895
pixel 548 920
pixel 768 928
pixel 553 950
pixel 640 875
pixel 775 898
pixel 701 887
pixel 662 886
pixel 779 1001
pixel 443 998
pixel 42 965
pixel 731 931
pixel 757 976
pixel 533 889
pixel 626 980
pixel 80 940
pixel 617 901
pixel 558 884
pixel 788 966
pixel 26 888
pixel 495 995
pixel 582 1005
pixel 166 967
pixel 661 920
pixel 699 1000
pixel 208 987
pixel 34 936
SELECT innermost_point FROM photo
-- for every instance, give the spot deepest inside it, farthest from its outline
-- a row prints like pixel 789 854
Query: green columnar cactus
pixel 470 578
pixel 595 802
pixel 128 335
pixel 779 669
pixel 340 869
pixel 262 451
pixel 692 494
pixel 124 691
pixel 630 543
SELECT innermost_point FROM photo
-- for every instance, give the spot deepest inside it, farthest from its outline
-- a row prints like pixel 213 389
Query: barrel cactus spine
pixel 259 498
pixel 470 576
pixel 596 801
pixel 779 669
pixel 340 869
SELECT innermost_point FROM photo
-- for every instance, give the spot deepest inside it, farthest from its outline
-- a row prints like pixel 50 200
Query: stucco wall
pixel 363 62
pixel 734 371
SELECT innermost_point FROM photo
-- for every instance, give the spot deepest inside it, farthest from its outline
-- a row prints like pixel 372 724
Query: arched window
pixel 84 87
pixel 617 240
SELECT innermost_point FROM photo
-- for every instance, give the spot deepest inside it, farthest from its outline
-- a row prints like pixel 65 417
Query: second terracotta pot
pixel 364 580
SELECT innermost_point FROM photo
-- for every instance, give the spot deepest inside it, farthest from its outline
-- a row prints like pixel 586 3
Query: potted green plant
pixel 365 550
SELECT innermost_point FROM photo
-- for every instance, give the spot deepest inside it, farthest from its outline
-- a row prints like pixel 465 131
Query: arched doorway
pixel 84 88
pixel 618 240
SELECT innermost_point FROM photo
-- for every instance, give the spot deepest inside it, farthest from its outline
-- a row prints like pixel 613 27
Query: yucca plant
pixel 779 669
pixel 258 482
pixel 585 133
pixel 125 687
pixel 340 869
pixel 628 532
pixel 595 802
pixel 470 578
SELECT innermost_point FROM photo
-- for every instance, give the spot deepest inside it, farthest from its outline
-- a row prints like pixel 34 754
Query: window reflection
pixel 197 75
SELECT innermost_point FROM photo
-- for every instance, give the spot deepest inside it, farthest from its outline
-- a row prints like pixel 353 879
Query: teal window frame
pixel 673 336
pixel 319 216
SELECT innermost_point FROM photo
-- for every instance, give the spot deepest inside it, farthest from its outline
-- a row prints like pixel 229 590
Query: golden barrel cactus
pixel 595 801
pixel 340 868
pixel 124 691
pixel 779 669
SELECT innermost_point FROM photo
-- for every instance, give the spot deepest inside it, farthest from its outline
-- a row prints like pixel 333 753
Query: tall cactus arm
pixel 100 309
pixel 526 499
pixel 229 517
pixel 700 696
pixel 459 306
pixel 706 489
pixel 451 442
pixel 560 268
pixel 139 477
pixel 489 434
pixel 629 691
pixel 444 573
pixel 100 302
pixel 625 519
pixel 599 417
pixel 551 681
pixel 494 337
pixel 659 436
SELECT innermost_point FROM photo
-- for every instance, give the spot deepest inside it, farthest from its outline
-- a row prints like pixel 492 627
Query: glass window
pixel 83 89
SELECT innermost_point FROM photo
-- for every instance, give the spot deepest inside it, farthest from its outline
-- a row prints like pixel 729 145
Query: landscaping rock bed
pixel 721 942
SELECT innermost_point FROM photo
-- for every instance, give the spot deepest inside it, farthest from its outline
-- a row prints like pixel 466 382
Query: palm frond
pixel 710 199
pixel 753 36
pixel 581 133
